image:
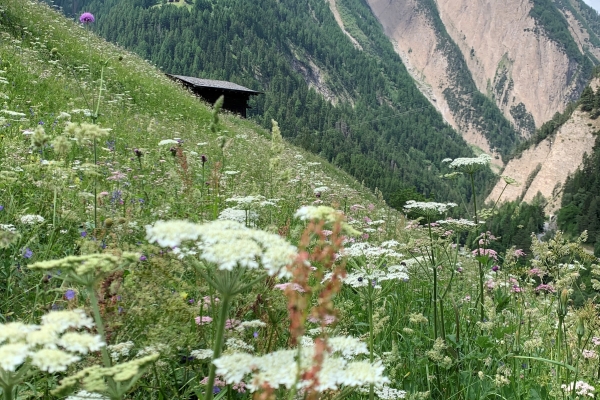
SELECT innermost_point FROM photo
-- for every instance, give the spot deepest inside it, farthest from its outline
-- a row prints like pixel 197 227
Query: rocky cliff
pixel 510 56
pixel 544 168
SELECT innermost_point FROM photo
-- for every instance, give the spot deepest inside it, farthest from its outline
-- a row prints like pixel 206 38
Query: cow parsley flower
pixel 63 320
pixel 389 393
pixel 427 209
pixel 172 233
pixel 120 350
pixel 202 354
pixel 15 331
pixel 53 360
pixel 470 165
pixel 580 387
pixel 167 142
pixel 85 395
pixel 347 346
pixel 32 219
pixel 80 342
pixel 12 355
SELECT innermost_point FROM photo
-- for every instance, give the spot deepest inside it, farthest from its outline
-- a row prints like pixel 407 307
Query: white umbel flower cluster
pixel 427 208
pixel 374 276
pixel 372 252
pixel 470 165
pixel 280 368
pixel 581 388
pixel 32 219
pixel 47 346
pixel 227 244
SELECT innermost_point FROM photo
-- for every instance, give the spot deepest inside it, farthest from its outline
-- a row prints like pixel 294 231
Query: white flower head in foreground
pixel 53 360
pixel 43 344
pixel 427 209
pixel 280 369
pixel 12 355
pixel 470 165
pixel 228 244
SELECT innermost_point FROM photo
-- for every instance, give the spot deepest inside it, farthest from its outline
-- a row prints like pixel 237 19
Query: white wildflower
pixel 233 214
pixel 387 392
pixel 85 395
pixel 80 342
pixel 470 165
pixel 347 346
pixel 238 344
pixel 46 336
pixel 12 355
pixel 172 233
pixel 63 320
pixel 8 228
pixel 233 367
pixel 580 387
pixel 427 208
pixel 361 373
pixel 231 173
pixel 53 360
pixel 15 331
pixel 120 350
pixel 167 141
pixel 202 354
pixel 32 219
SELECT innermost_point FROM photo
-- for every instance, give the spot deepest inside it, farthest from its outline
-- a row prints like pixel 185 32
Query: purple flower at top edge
pixel 70 294
pixel 1 207
pixel 87 18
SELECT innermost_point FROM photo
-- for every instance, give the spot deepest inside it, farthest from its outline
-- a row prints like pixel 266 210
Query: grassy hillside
pixel 152 248
pixel 357 108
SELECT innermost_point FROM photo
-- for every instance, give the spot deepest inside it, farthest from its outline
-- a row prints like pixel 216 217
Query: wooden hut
pixel 236 96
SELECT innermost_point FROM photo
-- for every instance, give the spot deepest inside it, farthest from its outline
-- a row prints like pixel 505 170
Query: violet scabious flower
pixel 1 207
pixel 495 268
pixel 70 294
pixel 87 18
pixel 27 253
pixel 143 258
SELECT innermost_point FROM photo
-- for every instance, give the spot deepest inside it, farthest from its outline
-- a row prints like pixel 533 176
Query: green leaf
pixel 567 366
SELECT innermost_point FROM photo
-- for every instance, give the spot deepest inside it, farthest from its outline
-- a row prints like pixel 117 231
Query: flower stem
pixel 225 303
pixel 370 311
pixel 480 265
pixel 99 324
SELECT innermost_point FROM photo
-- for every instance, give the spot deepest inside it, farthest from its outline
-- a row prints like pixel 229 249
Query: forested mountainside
pixel 343 94
pixel 530 58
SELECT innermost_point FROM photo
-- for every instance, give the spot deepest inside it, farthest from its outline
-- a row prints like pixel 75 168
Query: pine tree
pixel 587 99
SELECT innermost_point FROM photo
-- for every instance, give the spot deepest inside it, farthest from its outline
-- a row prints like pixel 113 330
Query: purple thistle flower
pixel 255 335
pixel 203 158
pixel 143 258
pixel 27 253
pixel 83 234
pixel 70 294
pixel 495 268
pixel 1 207
pixel 86 18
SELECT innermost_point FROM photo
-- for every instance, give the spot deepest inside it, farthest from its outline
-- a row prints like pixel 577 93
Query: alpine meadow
pixel 356 237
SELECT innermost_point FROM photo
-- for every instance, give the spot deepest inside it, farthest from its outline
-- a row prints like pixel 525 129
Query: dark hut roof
pixel 211 83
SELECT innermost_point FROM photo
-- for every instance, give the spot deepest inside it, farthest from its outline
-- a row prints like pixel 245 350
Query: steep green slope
pixel 381 129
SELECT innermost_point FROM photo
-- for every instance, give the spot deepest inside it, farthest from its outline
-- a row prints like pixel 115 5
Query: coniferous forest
pixel 375 123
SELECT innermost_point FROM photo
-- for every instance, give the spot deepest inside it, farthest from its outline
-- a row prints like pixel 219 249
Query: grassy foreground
pixel 153 248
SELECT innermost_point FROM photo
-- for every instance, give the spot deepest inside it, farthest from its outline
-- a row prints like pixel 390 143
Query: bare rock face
pixel 509 57
pixel 545 167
